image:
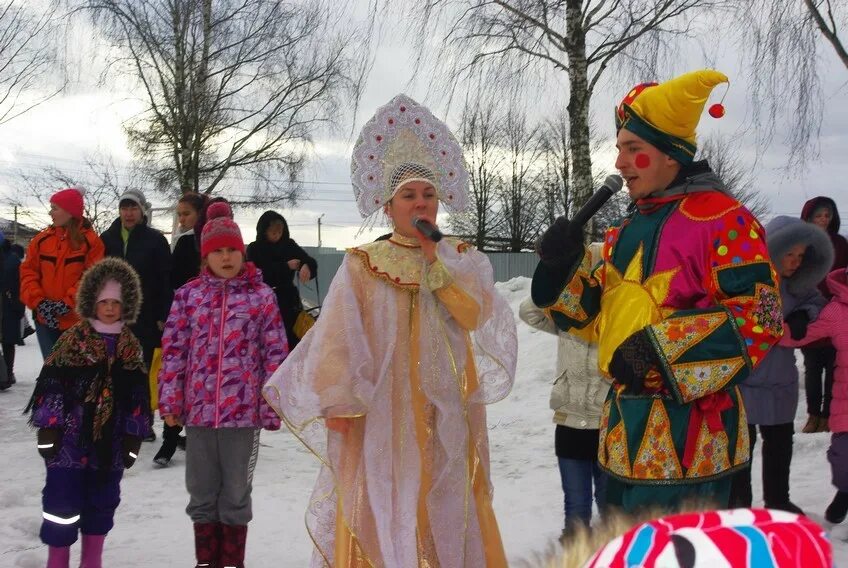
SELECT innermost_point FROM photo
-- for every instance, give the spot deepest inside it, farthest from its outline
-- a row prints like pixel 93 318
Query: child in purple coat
pixel 91 406
pixel 223 339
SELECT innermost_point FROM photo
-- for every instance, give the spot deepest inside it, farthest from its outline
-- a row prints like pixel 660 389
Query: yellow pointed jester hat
pixel 667 114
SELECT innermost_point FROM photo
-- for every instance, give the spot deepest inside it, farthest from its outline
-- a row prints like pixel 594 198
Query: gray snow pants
pixel 219 474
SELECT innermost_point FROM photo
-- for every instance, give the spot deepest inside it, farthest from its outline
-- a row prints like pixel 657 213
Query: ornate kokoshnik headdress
pixel 404 142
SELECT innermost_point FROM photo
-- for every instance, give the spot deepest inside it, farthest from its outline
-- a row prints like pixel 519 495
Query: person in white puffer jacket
pixel 577 398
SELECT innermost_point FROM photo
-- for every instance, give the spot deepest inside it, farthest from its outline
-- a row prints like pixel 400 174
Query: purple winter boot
pixel 92 551
pixel 58 556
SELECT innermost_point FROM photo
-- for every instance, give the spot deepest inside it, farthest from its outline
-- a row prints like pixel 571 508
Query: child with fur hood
pixel 832 323
pixel 223 339
pixel 91 406
pixel 802 255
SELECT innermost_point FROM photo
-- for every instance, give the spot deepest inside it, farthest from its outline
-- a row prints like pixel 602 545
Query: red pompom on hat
pixel 219 209
pixel 70 199
pixel 220 231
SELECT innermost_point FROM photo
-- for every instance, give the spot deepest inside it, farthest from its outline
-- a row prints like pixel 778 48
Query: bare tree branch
pixel 233 85
pixel 723 156
pixel 517 43
pixel 103 181
pixel 782 39
pixel 480 135
pixel 828 28
pixel 27 57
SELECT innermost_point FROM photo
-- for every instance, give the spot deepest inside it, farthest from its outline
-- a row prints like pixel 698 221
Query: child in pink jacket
pixel 833 323
pixel 223 339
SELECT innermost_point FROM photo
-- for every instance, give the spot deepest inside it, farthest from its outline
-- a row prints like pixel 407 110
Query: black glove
pixel 798 322
pixel 561 245
pixel 49 442
pixel 51 310
pixel 632 361
pixel 129 450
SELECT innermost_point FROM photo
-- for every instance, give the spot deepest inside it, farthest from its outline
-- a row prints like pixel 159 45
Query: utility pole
pixel 15 230
pixel 319 230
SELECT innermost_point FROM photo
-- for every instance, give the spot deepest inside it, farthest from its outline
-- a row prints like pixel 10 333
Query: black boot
pixel 838 508
pixel 777 458
pixel 170 438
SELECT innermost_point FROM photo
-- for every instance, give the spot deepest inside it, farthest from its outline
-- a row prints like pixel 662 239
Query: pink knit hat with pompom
pixel 220 231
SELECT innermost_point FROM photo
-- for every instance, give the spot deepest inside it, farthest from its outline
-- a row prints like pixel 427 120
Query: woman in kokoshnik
pixel 390 386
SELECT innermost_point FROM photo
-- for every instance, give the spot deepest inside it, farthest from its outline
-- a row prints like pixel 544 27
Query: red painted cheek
pixel 642 161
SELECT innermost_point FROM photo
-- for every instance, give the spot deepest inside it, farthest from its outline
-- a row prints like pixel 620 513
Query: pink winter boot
pixel 58 556
pixel 92 551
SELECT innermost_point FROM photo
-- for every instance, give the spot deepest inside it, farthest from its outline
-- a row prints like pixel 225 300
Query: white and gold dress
pixel 411 353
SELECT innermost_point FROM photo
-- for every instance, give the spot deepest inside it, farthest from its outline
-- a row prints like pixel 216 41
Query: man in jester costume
pixel 683 305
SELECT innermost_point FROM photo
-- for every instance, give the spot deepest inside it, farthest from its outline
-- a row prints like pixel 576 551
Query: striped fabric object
pixel 754 538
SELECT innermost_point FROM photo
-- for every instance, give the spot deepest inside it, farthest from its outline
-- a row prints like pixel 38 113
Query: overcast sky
pixel 86 120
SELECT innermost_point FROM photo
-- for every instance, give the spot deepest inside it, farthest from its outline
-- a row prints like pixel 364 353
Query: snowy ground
pixel 151 528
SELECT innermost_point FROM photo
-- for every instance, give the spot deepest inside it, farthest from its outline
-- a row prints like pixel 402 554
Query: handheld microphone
pixel 429 229
pixel 611 185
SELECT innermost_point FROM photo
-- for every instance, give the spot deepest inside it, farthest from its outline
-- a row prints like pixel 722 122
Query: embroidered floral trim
pixel 742 454
pixel 602 446
pixel 711 453
pixel 695 380
pixel 657 457
pixel 677 335
pixel 768 311
pixel 397 265
pixel 569 301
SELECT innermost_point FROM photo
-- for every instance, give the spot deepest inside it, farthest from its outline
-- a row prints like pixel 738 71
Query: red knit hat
pixel 220 230
pixel 70 199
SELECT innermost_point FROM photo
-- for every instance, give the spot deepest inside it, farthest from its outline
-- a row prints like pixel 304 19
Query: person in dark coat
pixel 147 251
pixel 802 254
pixel 13 309
pixel 280 258
pixel 186 247
pixel 820 357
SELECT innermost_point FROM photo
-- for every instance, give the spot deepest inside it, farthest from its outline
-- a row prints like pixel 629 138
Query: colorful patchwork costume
pixel 688 273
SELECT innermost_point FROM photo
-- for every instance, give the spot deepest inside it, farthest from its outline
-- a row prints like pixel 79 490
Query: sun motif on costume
pixel 628 304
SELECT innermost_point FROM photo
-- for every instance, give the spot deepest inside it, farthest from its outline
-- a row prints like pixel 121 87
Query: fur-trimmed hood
pixel 815 203
pixel 93 279
pixel 782 233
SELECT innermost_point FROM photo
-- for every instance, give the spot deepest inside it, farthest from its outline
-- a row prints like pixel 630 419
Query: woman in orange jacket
pixel 55 261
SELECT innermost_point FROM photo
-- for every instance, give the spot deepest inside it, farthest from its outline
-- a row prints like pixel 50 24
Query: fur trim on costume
pixel 93 280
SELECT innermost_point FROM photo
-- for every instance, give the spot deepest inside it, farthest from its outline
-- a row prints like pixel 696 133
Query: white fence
pixel 506 265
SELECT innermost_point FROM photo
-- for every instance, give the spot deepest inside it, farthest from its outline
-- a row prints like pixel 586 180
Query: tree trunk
pixel 829 34
pixel 578 108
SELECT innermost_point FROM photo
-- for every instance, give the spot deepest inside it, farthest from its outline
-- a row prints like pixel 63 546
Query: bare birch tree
pixel 783 40
pixel 556 183
pixel 481 134
pixel 519 195
pixel 522 40
pixel 27 57
pixel 231 85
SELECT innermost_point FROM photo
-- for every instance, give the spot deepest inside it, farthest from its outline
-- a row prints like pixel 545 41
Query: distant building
pixel 20 234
